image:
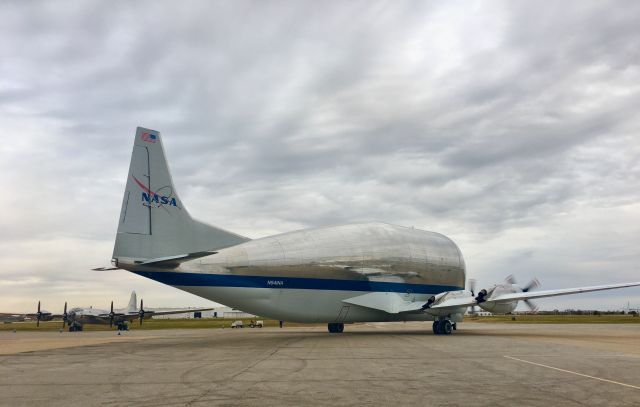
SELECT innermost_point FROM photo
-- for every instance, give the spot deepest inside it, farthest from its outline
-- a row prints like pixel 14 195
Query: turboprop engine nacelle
pixel 499 307
pixel 485 297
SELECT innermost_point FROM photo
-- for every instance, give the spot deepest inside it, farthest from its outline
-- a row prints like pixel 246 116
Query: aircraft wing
pixel 454 303
pixel 552 293
pixel 107 315
pixel 390 302
pixel 14 317
pixel 468 301
pixel 149 314
pixel 50 316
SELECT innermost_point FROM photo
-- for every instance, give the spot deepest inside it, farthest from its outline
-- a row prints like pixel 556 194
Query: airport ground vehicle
pixel 237 324
pixel 256 324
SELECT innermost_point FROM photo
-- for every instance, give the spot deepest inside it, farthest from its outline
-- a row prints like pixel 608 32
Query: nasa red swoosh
pixel 141 185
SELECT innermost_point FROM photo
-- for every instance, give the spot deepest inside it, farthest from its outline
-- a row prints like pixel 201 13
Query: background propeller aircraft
pixel 340 274
pixel 40 315
pixel 76 317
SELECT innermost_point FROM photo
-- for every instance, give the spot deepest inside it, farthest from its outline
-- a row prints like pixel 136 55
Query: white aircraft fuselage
pixel 305 275
pixel 92 315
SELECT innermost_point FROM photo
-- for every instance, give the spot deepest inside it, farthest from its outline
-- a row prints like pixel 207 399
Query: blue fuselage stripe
pixel 227 280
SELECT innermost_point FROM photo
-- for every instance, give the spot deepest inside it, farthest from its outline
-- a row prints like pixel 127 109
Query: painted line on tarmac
pixel 625 356
pixel 575 373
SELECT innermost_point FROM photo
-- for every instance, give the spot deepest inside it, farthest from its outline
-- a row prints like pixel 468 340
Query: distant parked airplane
pixel 40 315
pixel 338 274
pixel 78 316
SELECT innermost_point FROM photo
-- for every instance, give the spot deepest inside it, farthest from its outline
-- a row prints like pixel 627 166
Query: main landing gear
pixel 443 327
pixel 335 327
pixel 75 327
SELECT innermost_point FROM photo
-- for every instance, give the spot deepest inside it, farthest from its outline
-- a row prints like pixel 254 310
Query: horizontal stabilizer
pixel 105 268
pixel 174 261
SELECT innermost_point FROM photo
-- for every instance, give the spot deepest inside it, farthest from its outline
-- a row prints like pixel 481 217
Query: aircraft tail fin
pixel 133 303
pixel 154 223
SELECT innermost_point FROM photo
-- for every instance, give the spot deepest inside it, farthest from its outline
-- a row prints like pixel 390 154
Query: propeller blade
pixel 141 312
pixel 533 284
pixel 472 286
pixel 64 315
pixel 111 315
pixel 510 279
pixel 532 306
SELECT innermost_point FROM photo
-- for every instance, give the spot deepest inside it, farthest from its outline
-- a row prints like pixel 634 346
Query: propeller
pixel 38 315
pixel 141 312
pixel 532 285
pixel 64 315
pixel 111 315
pixel 472 287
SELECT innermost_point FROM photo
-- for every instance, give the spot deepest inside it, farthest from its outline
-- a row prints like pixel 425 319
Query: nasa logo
pixel 157 199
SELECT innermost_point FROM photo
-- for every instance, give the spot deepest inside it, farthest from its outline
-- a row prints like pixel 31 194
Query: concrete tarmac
pixel 369 364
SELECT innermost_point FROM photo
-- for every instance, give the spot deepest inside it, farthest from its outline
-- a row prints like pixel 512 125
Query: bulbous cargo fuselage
pixel 305 275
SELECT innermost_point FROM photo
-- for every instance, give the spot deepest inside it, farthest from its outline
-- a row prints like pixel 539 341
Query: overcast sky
pixel 511 127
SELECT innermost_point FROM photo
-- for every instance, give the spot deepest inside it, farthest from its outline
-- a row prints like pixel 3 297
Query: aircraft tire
pixel 335 327
pixel 447 328
pixel 435 327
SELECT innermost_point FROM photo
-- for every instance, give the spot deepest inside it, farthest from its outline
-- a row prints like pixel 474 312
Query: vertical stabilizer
pixel 154 223
pixel 133 303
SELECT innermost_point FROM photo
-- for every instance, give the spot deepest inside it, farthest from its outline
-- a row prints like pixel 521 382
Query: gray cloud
pixel 509 126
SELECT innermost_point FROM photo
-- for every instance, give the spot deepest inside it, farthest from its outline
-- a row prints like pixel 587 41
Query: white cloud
pixel 510 127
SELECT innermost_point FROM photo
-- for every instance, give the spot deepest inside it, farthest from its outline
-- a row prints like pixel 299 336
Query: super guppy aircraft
pixel 338 274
